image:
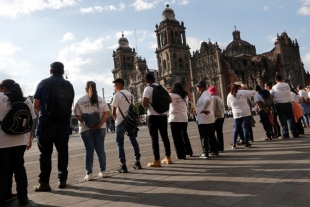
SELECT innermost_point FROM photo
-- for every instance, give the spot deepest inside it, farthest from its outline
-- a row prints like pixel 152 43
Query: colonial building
pixel 220 67
pixel 130 67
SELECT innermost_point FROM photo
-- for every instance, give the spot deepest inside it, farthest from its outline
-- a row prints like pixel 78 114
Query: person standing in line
pixel 304 104
pixel 282 97
pixel 178 120
pixel 218 109
pixel 13 147
pixel 263 110
pixel 108 124
pixel 237 101
pixel 297 110
pixel 92 137
pixel 206 119
pixel 119 111
pixel 276 127
pixel 156 122
pixel 51 129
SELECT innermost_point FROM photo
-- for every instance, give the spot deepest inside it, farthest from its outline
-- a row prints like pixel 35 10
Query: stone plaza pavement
pixel 274 173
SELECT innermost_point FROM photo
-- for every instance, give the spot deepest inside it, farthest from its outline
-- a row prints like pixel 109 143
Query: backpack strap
pixel 127 101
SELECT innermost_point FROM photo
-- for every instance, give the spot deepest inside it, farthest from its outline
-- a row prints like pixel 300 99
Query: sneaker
pixel 102 174
pixel 167 160
pixel 88 177
pixel 11 197
pixel 240 142
pixel 268 139
pixel 203 156
pixel 23 201
pixel 62 184
pixel 188 156
pixel 137 165
pixel 248 145
pixel 155 163
pixel 233 146
pixel 122 168
pixel 42 187
pixel 214 154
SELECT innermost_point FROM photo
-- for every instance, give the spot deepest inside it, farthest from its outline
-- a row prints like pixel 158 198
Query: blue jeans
pixel 305 119
pixel 94 140
pixel 120 133
pixel 284 111
pixel 244 123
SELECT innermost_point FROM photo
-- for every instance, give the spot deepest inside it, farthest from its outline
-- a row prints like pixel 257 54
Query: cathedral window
pixel 165 64
pixel 172 37
pixel 174 55
pixel 180 63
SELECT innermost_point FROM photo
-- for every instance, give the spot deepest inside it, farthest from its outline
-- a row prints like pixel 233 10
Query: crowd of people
pixel 54 97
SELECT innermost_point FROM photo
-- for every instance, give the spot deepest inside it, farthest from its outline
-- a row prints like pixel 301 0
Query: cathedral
pixel 219 67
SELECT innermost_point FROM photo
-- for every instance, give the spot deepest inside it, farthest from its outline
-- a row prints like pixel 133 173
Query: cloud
pixel 194 43
pixel 112 47
pixel 303 30
pixel 75 55
pixel 306 61
pixel 305 8
pixel 14 8
pixel 271 38
pixel 303 47
pixel 266 8
pixel 140 5
pixel 68 36
pixel 100 9
pixel 179 2
pixel 7 49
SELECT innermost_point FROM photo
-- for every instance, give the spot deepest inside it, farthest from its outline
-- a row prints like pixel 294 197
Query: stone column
pixel 192 82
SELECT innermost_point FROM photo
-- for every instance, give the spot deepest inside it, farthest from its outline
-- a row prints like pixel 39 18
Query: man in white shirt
pixel 304 105
pixel 206 119
pixel 281 93
pixel 156 122
pixel 121 105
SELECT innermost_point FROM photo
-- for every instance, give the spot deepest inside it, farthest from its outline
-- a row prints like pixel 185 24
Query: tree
pixel 140 109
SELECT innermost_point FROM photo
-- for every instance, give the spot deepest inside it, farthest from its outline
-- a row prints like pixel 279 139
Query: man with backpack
pixel 156 98
pixel 53 101
pixel 126 120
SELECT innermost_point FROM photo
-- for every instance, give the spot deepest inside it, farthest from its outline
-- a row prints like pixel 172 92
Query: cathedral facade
pixel 219 67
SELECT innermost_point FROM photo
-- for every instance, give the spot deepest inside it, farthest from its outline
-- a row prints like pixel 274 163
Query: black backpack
pixel 160 99
pixel 18 120
pixel 59 100
pixel 268 101
pixel 132 119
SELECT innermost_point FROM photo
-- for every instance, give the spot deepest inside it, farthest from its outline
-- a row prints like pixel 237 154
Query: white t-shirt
pixel 147 93
pixel 201 117
pixel 295 97
pixel 239 104
pixel 281 93
pixel 303 95
pixel 308 94
pixel 258 98
pixel 178 108
pixel 7 140
pixel 83 106
pixel 120 101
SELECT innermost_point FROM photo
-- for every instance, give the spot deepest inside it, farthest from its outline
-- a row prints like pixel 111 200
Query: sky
pixel 83 33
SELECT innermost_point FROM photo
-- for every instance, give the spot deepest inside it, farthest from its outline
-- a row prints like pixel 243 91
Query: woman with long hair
pixel 92 136
pixel 178 120
pixel 218 110
pixel 237 100
pixel 13 147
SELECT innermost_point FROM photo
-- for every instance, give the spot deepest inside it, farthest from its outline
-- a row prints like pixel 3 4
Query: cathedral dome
pixel 123 42
pixel 239 46
pixel 168 13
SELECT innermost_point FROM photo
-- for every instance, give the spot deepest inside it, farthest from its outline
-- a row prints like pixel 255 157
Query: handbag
pixel 92 119
pixel 271 119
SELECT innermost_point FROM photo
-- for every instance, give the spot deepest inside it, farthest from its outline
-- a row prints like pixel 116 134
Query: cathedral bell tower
pixel 123 60
pixel 172 51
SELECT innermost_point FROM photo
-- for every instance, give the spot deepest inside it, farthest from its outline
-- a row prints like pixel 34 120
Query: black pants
pixel 207 137
pixel 276 127
pixel 218 126
pixel 156 123
pixel 180 138
pixel 266 123
pixel 12 160
pixel 48 136
pixel 300 128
